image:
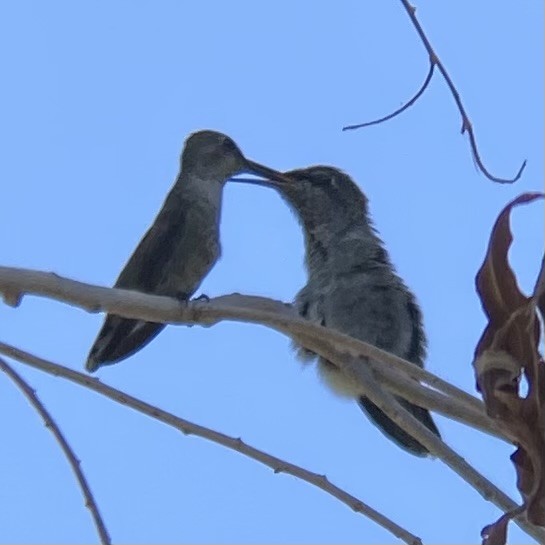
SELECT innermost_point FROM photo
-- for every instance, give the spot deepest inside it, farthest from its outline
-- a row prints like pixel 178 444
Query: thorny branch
pixel 341 349
pixel 466 122
pixel 50 424
pixel 189 428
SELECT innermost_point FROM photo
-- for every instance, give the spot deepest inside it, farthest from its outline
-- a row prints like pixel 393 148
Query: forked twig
pixel 466 122
pixel 50 424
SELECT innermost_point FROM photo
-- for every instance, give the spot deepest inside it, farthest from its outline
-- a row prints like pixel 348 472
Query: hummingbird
pixel 352 286
pixel 182 244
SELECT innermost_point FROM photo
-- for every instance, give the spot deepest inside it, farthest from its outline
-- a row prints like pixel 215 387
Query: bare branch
pixel 376 394
pixel 455 403
pixel 466 122
pixel 406 106
pixel 336 347
pixel 51 425
pixel 189 428
pixel 389 405
pixel 235 307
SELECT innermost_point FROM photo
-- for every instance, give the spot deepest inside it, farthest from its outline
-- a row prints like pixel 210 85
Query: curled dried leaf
pixel 508 349
pixel 497 373
pixel 496 533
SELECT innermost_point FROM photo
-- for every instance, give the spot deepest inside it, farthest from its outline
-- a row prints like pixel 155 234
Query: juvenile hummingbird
pixel 352 285
pixel 181 246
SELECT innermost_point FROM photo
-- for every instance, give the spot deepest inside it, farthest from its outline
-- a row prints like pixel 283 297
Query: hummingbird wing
pixel 386 316
pixel 145 268
pixel 119 337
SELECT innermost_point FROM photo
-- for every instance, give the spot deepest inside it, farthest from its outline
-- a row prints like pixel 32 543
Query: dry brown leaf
pixel 539 290
pixel 507 349
pixel 496 533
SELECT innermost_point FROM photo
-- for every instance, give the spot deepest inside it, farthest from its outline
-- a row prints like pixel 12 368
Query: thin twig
pixel 466 122
pixel 50 424
pixel 407 105
pixel 189 428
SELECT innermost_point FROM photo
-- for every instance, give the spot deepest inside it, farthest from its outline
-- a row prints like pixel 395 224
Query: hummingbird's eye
pixel 326 181
pixel 229 146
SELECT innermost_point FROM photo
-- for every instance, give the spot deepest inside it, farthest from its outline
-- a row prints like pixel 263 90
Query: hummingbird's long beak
pixel 272 177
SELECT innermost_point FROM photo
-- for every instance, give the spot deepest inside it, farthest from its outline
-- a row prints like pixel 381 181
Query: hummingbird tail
pixel 120 338
pixel 394 432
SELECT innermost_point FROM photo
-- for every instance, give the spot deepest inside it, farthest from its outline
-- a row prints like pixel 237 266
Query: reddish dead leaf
pixel 498 375
pixel 527 476
pixel 497 285
pixel 539 290
pixel 496 533
pixel 508 348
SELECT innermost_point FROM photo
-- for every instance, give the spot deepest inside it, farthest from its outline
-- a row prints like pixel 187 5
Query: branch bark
pixel 15 283
pixel 75 464
pixel 339 348
pixel 234 443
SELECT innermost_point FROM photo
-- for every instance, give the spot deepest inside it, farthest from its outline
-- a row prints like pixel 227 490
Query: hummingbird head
pixel 323 196
pixel 213 155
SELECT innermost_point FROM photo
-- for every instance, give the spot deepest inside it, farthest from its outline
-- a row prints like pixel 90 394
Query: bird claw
pixel 202 297
pixel 182 297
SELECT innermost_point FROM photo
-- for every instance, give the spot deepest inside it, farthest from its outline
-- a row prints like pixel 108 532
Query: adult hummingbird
pixel 352 286
pixel 182 245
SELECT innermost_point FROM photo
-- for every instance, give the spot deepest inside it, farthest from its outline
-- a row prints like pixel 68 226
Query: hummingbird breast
pixel 354 289
pixel 197 248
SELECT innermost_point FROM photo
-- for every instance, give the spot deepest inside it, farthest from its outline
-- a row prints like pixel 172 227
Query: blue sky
pixel 96 100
